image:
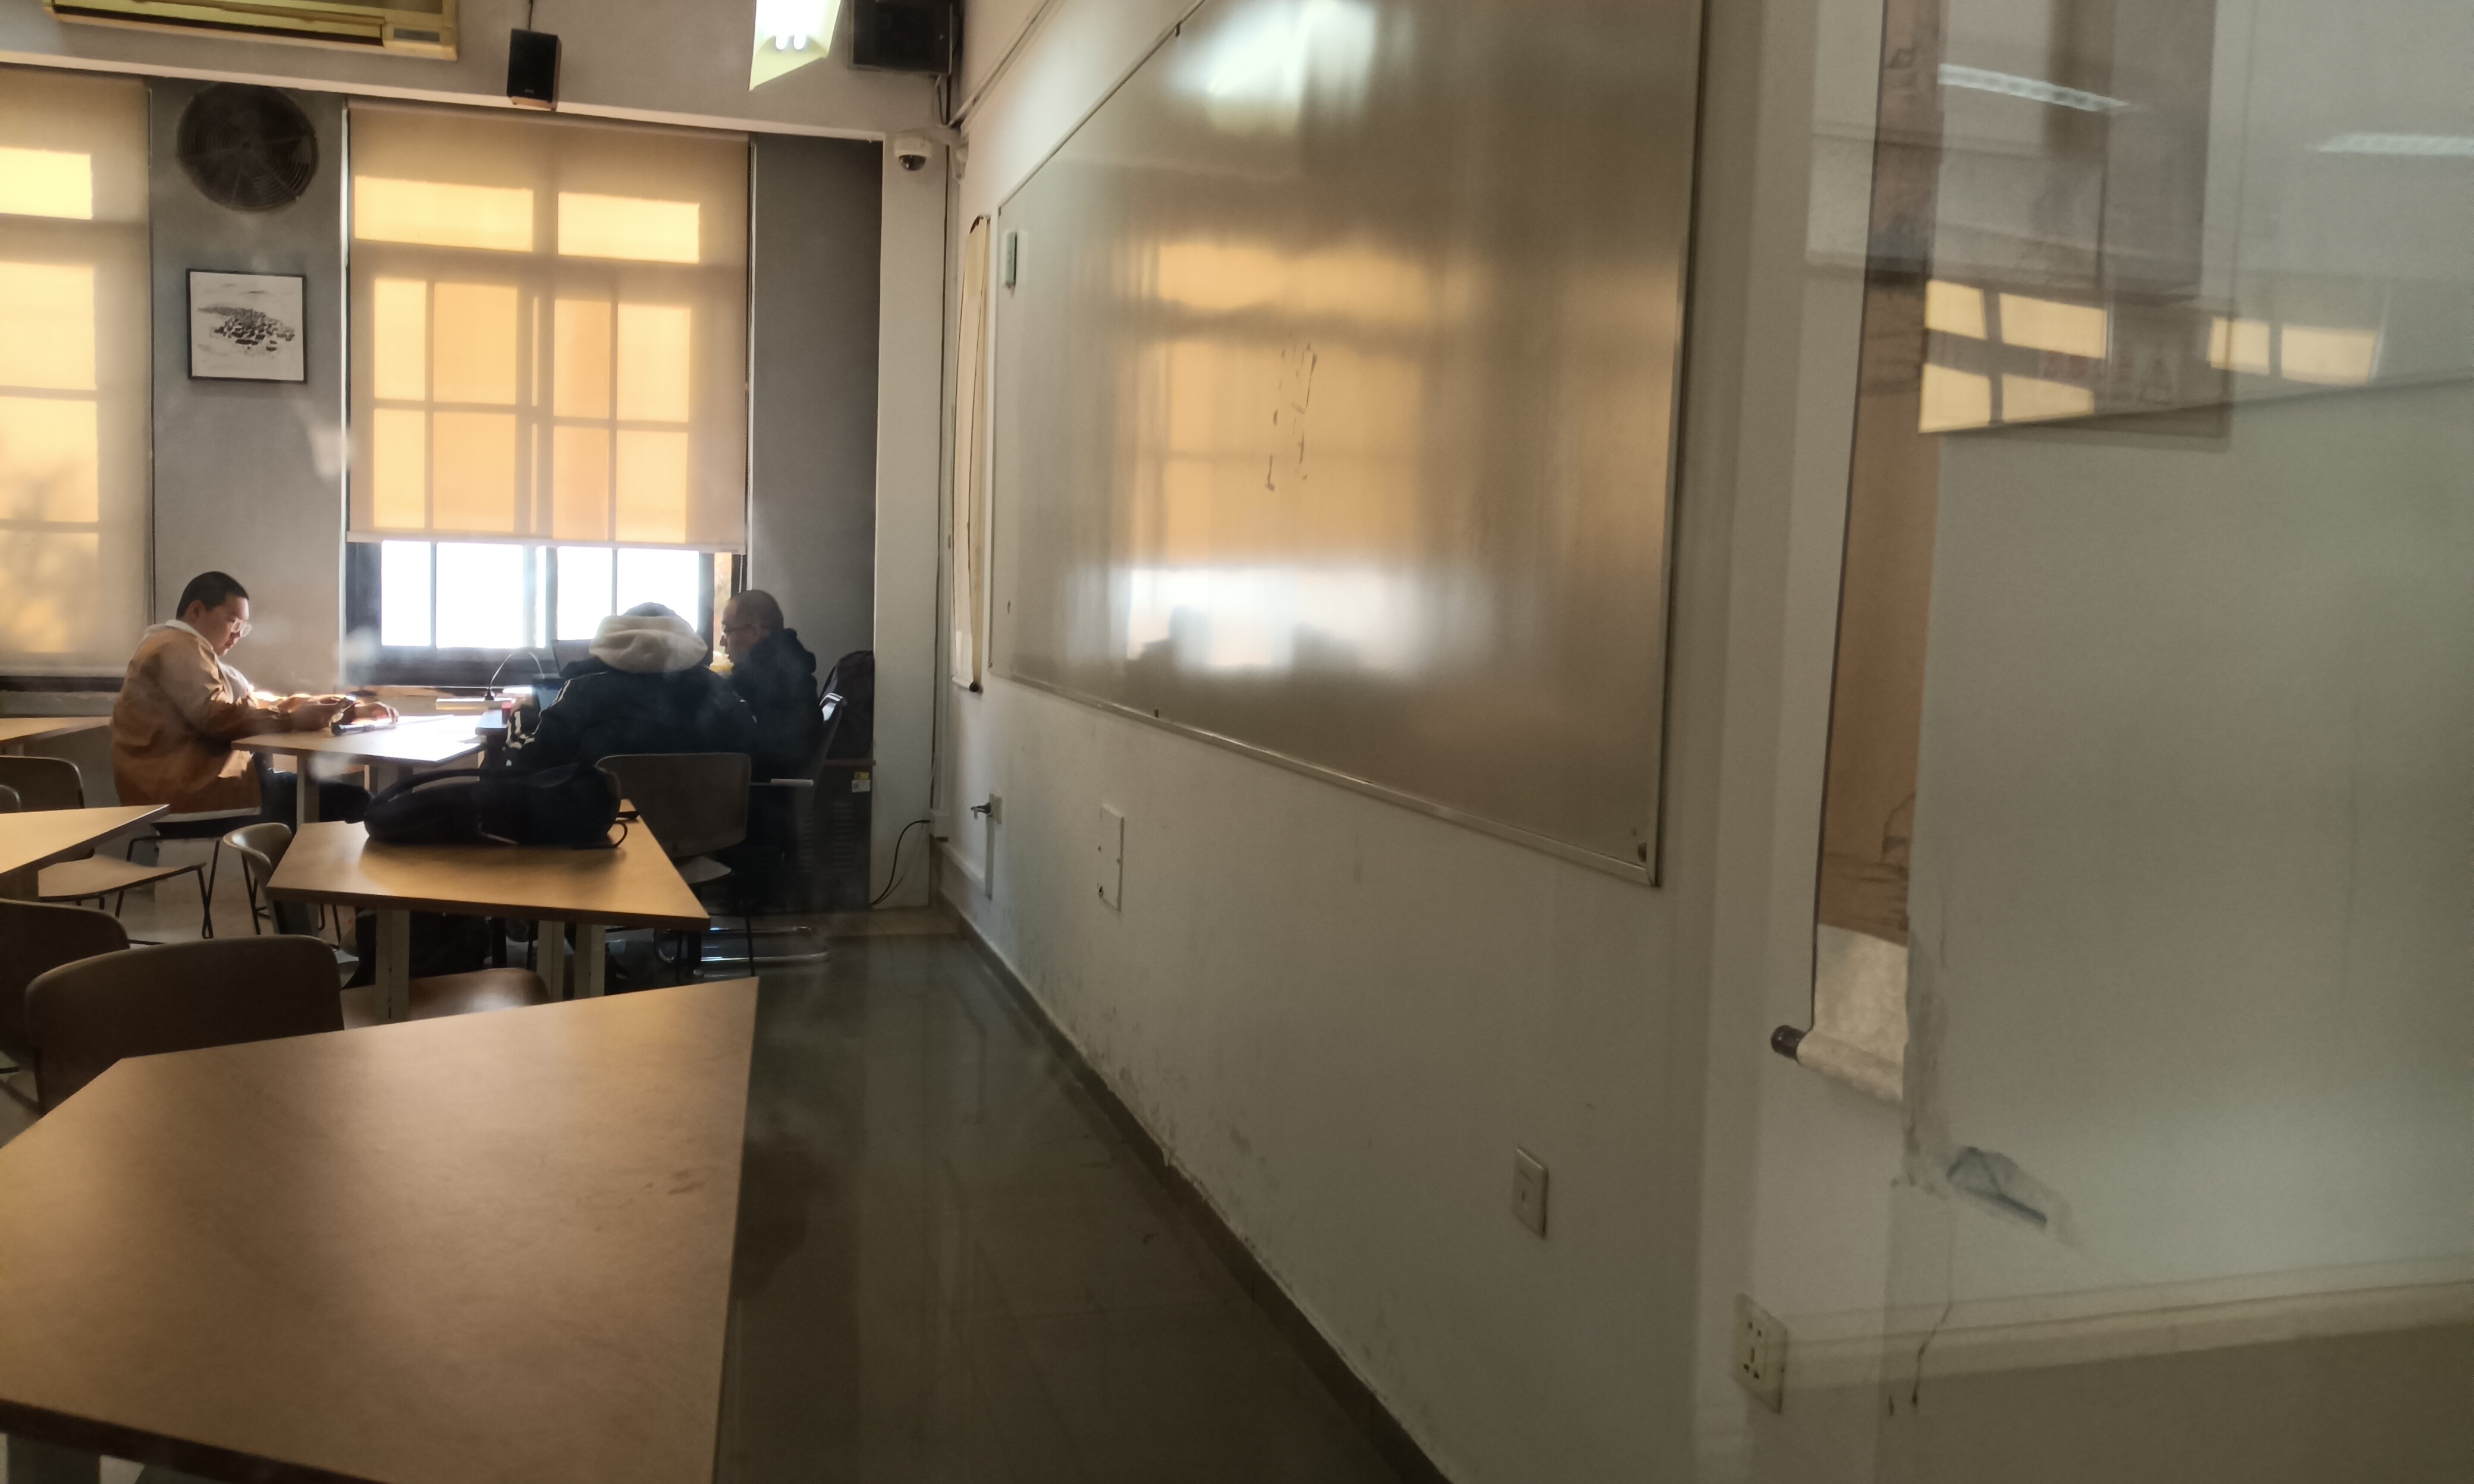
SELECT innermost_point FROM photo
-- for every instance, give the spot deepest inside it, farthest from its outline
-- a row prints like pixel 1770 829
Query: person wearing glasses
pixel 183 704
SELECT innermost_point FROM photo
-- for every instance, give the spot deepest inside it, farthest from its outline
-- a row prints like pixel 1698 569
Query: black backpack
pixel 849 706
pixel 570 805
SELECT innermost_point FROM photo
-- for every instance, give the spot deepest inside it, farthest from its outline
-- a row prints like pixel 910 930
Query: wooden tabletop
pixel 426 740
pixel 26 729
pixel 632 885
pixel 32 839
pixel 488 1249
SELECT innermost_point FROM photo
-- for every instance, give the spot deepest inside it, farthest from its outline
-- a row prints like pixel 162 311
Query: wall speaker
pixel 532 69
pixel 903 36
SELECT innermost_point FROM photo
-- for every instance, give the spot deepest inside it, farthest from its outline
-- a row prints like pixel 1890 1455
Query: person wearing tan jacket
pixel 183 705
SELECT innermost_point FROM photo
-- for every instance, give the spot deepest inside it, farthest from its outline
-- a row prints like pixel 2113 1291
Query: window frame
pixel 720 577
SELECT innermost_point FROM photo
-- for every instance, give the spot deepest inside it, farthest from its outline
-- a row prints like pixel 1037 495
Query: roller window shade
pixel 75 343
pixel 549 331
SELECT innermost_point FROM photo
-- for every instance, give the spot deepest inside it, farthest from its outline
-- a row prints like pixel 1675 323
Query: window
pixel 74 363
pixel 549 351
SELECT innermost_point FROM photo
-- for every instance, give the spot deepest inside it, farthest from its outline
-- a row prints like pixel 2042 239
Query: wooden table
pixel 26 841
pixel 423 743
pixel 490 1249
pixel 15 732
pixel 632 885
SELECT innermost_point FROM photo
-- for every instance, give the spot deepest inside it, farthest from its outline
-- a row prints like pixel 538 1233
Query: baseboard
pixel 1358 1400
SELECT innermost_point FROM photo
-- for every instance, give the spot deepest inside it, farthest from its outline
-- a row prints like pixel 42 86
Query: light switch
pixel 1109 857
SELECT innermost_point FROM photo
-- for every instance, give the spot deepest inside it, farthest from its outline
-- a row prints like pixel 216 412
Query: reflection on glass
pixel 584 590
pixel 2047 325
pixel 46 182
pixel 1271 618
pixel 404 594
pixel 1274 56
pixel 1359 285
pixel 2240 345
pixel 1955 308
pixel 481 596
pixel 674 579
pixel 1954 399
pixel 2036 400
pixel 2327 357
pixel 623 227
pixel 48 309
pixel 439 214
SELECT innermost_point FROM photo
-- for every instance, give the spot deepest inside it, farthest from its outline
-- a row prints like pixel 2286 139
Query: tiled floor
pixel 948 1266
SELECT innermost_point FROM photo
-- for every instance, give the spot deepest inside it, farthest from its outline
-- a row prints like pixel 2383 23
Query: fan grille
pixel 248 148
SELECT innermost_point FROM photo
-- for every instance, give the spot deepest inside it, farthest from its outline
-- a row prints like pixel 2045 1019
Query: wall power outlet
pixel 1760 1354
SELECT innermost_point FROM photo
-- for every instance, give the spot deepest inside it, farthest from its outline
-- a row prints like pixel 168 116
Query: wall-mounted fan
pixel 248 148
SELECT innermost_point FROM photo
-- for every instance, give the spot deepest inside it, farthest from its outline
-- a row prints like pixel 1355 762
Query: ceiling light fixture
pixel 2423 145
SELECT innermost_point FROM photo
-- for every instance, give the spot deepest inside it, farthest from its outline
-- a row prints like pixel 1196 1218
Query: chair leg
pixel 206 904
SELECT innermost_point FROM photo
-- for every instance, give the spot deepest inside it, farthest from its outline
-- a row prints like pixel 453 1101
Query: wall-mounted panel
pixel 1334 420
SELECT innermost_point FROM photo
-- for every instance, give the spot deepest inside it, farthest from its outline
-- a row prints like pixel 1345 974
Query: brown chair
pixel 52 783
pixel 260 849
pixel 10 802
pixel 35 937
pixel 178 996
pixel 695 803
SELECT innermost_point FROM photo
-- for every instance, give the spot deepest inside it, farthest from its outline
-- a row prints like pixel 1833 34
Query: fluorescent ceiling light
pixel 789 35
pixel 2427 146
pixel 2034 89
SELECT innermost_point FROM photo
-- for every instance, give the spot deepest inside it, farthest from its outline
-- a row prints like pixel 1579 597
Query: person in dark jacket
pixel 776 676
pixel 647 689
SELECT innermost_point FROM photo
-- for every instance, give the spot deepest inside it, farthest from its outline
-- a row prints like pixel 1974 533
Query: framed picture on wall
pixel 246 328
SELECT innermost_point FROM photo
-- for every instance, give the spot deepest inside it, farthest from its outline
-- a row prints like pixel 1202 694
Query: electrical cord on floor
pixel 896 879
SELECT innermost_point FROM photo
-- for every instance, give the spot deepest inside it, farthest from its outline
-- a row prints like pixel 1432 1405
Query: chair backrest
pixel 260 849
pixel 36 936
pixel 10 802
pixel 693 802
pixel 44 782
pixel 849 706
pixel 180 996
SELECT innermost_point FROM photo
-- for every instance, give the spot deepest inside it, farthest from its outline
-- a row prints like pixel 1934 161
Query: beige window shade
pixel 549 331
pixel 74 397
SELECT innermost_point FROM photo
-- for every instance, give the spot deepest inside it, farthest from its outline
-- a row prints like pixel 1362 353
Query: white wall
pixel 680 60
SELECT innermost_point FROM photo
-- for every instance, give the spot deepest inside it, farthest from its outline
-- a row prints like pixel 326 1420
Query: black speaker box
pixel 532 69
pixel 903 36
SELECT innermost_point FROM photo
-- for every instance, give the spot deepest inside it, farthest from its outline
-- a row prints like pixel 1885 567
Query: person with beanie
pixel 648 687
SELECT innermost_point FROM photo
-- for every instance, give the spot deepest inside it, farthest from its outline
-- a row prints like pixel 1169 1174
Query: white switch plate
pixel 1529 1191
pixel 1760 1354
pixel 1109 853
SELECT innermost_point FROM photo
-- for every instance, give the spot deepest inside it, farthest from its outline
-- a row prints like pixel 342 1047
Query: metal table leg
pixel 589 937
pixel 395 963
pixel 550 938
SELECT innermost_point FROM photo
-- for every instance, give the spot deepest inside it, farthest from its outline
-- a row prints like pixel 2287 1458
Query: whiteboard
pixel 1336 360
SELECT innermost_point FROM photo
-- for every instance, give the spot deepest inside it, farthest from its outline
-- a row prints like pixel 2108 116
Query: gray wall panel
pixel 813 329
pixel 1334 401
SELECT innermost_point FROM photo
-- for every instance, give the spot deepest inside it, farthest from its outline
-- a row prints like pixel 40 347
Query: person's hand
pixel 319 712
pixel 375 711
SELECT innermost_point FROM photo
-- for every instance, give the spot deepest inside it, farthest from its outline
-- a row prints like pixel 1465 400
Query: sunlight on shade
pixel 2047 325
pixel 399 469
pixel 654 362
pixel 2239 345
pixel 652 486
pixel 49 311
pixel 580 387
pixel 625 226
pixel 481 596
pixel 1955 308
pixel 399 339
pixel 46 182
pixel 1954 399
pixel 1268 60
pixel 474 331
pixel 404 593
pixel 48 454
pixel 789 35
pixel 435 213
pixel 49 575
pixel 2035 399
pixel 580 484
pixel 2328 357
pixel 474 484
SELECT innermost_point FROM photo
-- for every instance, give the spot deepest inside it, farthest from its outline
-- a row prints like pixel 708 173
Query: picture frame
pixel 246 326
